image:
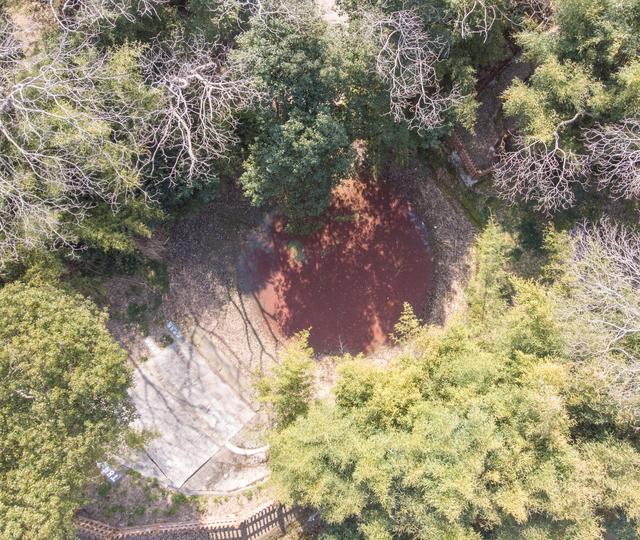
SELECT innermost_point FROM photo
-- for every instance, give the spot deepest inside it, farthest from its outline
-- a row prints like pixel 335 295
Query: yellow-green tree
pixel 471 434
pixel 288 390
pixel 63 404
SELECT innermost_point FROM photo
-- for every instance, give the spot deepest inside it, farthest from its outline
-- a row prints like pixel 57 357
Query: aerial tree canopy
pixel 63 405
pixel 576 113
pixel 477 431
pixel 301 148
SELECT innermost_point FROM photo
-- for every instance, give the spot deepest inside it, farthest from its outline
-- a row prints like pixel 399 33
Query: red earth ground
pixel 348 281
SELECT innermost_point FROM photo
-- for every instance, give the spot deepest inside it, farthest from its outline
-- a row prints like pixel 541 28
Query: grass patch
pixel 156 276
pixel 104 489
pixel 295 248
pixel 347 218
pixel 136 312
pixel 178 500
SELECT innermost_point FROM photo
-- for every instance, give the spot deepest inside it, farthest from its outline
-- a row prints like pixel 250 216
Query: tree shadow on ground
pixel 205 295
pixel 348 281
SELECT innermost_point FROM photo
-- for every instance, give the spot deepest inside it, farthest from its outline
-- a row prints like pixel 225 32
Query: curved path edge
pixel 246 451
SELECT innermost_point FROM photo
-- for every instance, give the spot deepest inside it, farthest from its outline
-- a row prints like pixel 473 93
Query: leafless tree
pixel 476 17
pixel 407 61
pixel 614 153
pixel 540 11
pixel 602 310
pixel 195 123
pixel 73 15
pixel 9 45
pixel 67 140
pixel 52 117
pixel 545 174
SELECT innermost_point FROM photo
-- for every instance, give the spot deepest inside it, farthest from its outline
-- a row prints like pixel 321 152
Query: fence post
pixel 281 521
pixel 244 531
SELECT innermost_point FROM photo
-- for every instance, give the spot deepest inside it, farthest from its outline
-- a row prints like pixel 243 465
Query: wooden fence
pixel 467 161
pixel 268 519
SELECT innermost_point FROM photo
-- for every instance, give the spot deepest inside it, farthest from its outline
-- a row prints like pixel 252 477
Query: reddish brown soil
pixel 348 281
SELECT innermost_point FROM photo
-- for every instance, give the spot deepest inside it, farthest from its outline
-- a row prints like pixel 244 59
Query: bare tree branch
pixel 542 173
pixel 406 61
pixel 10 50
pixel 68 141
pixel 195 123
pixel 261 11
pixel 476 17
pixel 602 312
pixel 53 115
pixel 540 11
pixel 73 15
pixel 615 157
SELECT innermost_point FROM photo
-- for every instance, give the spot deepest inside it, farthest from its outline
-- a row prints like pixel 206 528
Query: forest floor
pixel 451 230
pixel 346 282
pixel 195 281
pixel 185 321
pixel 136 500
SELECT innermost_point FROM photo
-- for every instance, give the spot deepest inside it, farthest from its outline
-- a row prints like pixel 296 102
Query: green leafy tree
pixel 585 81
pixel 301 149
pixel 289 389
pixel 464 437
pixel 296 164
pixel 63 405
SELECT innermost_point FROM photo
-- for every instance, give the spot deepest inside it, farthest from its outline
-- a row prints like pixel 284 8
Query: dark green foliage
pixel 302 148
pixel 297 164
pixel 289 60
pixel 530 233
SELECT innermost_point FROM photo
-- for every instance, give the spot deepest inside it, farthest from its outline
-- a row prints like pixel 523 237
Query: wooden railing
pixel 467 161
pixel 268 519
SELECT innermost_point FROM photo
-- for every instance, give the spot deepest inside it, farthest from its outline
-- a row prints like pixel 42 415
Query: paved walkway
pixel 190 408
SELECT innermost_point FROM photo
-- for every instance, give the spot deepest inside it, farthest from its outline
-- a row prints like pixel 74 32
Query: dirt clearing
pixel 348 281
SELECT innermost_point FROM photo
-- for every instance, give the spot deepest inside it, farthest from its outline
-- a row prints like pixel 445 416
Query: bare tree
pixel 61 147
pixel 602 310
pixel 73 15
pixel 539 172
pixel 195 122
pixel 407 61
pixel 69 140
pixel 614 153
pixel 476 17
pixel 9 46
pixel 540 11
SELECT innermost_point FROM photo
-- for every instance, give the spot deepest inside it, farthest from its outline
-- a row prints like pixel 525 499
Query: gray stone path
pixel 192 411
